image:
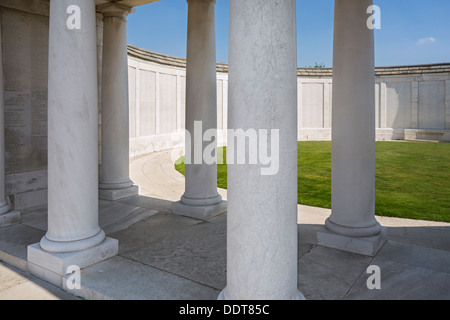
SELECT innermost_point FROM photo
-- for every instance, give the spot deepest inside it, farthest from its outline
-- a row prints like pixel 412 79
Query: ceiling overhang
pixel 128 3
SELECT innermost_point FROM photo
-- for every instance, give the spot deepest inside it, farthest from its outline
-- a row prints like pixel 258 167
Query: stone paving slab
pixel 35 217
pixel 149 203
pixel 118 216
pixel 14 241
pixel 197 253
pixel 19 285
pixel 400 281
pixel 414 255
pixel 150 231
pixel 327 274
pixel 435 237
pixel 124 279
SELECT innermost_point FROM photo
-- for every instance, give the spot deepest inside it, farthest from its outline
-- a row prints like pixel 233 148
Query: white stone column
pixel 73 236
pixel 262 209
pixel 352 225
pixel 7 216
pixel 201 199
pixel 115 180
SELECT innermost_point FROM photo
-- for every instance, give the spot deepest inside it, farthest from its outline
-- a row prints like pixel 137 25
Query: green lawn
pixel 412 178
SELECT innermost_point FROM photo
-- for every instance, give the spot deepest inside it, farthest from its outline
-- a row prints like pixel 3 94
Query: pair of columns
pixel 74 235
pixel 262 210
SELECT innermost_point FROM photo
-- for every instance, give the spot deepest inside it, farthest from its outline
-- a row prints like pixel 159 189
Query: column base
pixel 224 296
pixel 117 194
pixel 52 267
pixel 9 218
pixel 367 246
pixel 50 245
pixel 199 212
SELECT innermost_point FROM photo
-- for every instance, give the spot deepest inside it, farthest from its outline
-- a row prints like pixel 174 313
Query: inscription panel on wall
pixel 432 105
pixel 313 105
pixel 168 103
pixel 398 98
pixel 147 103
pixel 132 100
pixel 25 56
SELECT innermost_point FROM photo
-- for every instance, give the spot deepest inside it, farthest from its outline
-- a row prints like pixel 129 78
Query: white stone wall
pixel 417 102
pixel 157 106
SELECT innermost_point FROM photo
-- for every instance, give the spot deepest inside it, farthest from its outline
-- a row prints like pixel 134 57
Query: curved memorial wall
pixel 412 102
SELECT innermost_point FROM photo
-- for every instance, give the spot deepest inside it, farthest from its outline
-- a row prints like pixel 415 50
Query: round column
pixel 115 172
pixel 200 199
pixel 72 129
pixel 262 209
pixel 353 123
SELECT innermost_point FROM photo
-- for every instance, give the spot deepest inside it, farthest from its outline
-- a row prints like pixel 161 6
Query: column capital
pixel 114 10
pixel 209 1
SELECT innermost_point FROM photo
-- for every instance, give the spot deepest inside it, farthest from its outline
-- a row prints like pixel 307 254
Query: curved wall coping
pixel 168 60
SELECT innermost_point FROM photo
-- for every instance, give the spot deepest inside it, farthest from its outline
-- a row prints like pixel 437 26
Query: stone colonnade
pixel 262 209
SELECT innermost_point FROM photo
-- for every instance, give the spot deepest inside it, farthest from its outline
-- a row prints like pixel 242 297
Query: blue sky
pixel 412 31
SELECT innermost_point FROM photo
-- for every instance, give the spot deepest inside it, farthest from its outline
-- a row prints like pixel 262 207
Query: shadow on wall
pixel 414 104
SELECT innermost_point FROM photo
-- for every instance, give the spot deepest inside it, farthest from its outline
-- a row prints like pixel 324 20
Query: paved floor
pixel 165 256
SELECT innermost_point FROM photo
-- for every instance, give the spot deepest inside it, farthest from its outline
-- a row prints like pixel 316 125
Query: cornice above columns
pixel 211 1
pixel 114 10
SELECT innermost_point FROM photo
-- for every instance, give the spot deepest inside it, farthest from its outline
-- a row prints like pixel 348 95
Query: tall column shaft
pixel 200 199
pixel 201 94
pixel 353 125
pixel 72 130
pixel 7 217
pixel 115 173
pixel 353 120
pixel 262 209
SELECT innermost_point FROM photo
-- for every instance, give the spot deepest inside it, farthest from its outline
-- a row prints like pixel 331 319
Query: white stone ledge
pixel 427 134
